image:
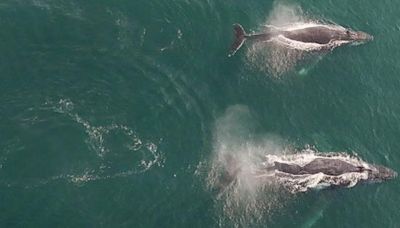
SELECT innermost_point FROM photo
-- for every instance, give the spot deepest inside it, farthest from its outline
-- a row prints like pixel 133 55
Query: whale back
pixel 317 34
pixel 328 166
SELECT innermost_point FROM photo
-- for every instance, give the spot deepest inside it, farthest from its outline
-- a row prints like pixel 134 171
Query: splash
pixel 278 56
pixel 285 14
pixel 237 156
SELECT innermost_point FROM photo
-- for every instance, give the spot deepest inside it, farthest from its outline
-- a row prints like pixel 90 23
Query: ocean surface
pixel 112 113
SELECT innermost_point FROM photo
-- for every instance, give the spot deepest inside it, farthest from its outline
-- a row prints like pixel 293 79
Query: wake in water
pixel 144 154
pixel 130 155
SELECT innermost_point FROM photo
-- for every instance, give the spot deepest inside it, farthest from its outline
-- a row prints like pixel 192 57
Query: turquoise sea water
pixel 111 113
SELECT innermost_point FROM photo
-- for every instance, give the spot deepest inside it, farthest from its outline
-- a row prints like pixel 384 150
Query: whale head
pixel 356 37
pixel 380 173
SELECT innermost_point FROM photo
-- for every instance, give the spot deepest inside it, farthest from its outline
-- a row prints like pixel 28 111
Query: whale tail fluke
pixel 240 37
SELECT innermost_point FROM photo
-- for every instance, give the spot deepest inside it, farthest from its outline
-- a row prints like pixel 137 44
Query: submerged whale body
pixel 302 36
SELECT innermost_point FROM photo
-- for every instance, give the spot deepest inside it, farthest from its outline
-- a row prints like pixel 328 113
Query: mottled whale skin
pixel 305 36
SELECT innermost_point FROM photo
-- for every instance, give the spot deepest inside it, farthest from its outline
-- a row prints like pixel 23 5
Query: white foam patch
pixel 297 45
pixel 241 199
pixel 309 24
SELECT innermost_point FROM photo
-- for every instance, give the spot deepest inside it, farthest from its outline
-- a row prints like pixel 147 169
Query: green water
pixel 108 111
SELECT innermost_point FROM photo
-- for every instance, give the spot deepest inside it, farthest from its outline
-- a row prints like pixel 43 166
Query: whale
pixel 305 171
pixel 301 36
pixel 309 171
pixel 336 167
